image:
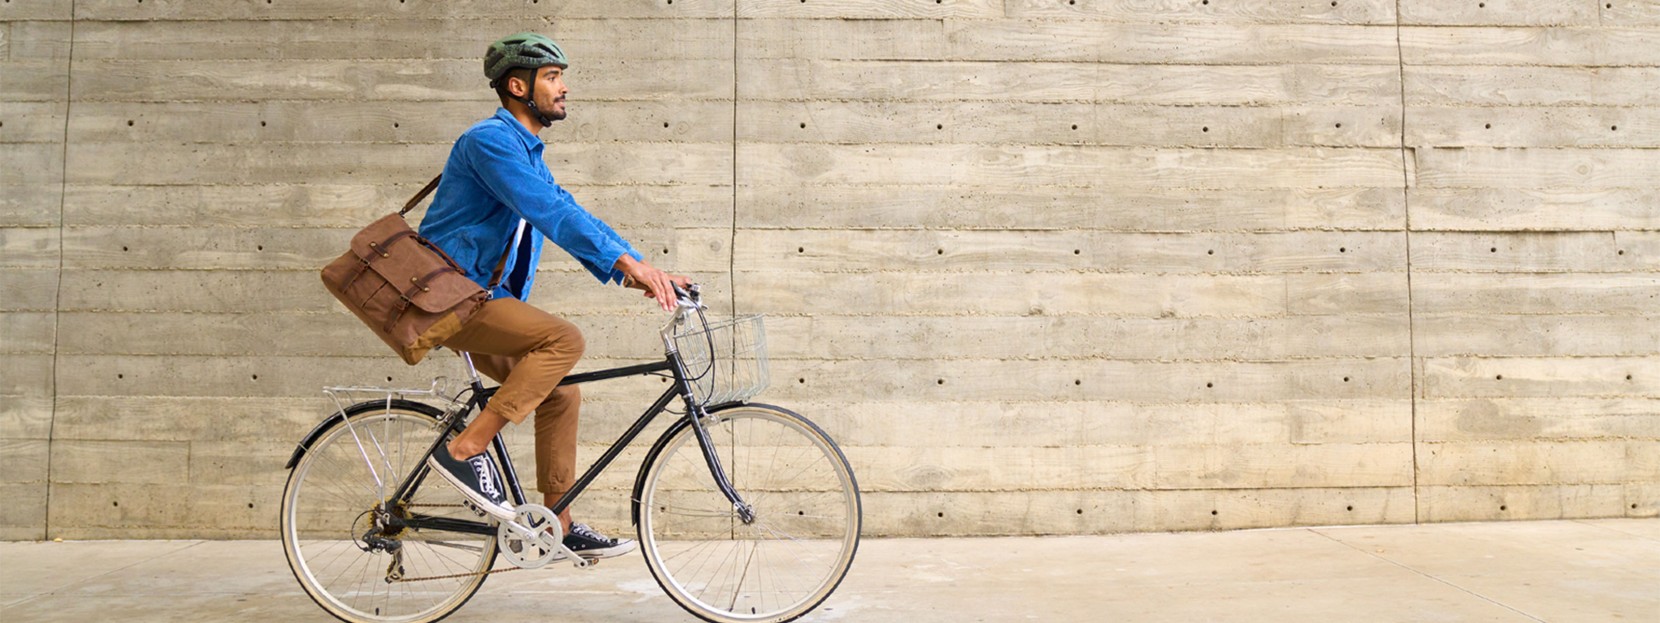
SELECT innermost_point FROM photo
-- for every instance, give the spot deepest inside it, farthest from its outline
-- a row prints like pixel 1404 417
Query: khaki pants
pixel 528 351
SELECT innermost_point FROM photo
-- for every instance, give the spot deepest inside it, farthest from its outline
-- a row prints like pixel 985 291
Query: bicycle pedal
pixel 474 507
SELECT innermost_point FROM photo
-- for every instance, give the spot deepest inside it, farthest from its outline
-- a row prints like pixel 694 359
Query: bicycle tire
pixel 785 562
pixel 326 510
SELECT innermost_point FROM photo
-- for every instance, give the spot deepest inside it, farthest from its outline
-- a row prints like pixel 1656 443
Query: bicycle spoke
pixel 697 512
pixel 334 494
pixel 784 562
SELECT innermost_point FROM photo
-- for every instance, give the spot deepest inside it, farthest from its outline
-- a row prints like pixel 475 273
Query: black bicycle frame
pixel 481 397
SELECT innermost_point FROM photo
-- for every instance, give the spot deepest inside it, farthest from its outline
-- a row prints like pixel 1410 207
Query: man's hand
pixel 656 283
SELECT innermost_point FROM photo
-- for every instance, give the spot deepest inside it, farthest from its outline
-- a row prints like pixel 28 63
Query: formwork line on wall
pixel 732 238
pixel 57 312
pixel 1406 231
pixel 1008 295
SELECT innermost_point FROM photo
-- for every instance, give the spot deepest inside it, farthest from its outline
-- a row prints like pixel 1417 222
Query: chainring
pixel 530 553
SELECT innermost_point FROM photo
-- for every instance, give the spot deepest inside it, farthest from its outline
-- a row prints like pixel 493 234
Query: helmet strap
pixel 529 100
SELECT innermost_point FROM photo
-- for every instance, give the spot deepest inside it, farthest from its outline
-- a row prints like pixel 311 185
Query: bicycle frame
pixel 481 397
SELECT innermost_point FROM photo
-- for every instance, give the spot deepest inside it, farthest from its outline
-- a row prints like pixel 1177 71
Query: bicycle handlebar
pixel 688 297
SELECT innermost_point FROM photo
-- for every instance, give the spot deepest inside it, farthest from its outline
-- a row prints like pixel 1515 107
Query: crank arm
pixel 548 541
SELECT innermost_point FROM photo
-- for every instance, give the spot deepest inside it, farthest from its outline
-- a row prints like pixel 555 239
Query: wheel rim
pixel 330 505
pixel 789 558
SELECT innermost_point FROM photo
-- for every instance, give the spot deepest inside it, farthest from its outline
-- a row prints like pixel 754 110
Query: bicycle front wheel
pixel 340 537
pixel 796 547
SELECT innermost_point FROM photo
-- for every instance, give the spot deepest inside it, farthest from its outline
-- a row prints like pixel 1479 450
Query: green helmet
pixel 525 49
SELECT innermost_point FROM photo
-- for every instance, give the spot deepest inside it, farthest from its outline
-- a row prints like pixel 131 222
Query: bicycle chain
pixel 462 575
pixel 456 575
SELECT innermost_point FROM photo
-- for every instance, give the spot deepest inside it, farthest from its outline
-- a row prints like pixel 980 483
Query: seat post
pixel 472 371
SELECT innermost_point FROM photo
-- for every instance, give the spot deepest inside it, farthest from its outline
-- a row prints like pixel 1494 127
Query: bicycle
pixel 745 512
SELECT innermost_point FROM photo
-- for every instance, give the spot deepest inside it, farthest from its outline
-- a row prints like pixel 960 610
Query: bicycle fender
pixel 311 438
pixel 338 417
pixel 657 448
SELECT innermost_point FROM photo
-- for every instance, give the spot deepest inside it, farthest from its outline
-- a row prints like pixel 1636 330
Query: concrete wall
pixel 1042 266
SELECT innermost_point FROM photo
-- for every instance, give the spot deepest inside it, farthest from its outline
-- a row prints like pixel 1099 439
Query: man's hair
pixel 525 74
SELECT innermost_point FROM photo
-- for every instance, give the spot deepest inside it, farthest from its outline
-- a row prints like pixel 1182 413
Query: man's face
pixel 550 92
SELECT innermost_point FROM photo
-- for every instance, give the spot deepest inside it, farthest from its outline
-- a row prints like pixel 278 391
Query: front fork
pixel 746 513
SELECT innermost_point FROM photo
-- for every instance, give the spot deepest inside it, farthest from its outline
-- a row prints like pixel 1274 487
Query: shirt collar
pixel 531 141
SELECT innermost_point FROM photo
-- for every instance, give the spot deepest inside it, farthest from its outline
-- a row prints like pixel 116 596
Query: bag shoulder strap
pixel 425 190
pixel 499 273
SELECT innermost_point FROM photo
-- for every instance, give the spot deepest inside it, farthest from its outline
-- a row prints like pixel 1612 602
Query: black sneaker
pixel 477 479
pixel 590 544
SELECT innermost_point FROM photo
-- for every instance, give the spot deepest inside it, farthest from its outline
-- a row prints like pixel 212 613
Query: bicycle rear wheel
pixel 362 572
pixel 798 545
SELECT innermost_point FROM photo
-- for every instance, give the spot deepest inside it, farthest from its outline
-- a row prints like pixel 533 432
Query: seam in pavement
pixel 1432 577
pixel 72 584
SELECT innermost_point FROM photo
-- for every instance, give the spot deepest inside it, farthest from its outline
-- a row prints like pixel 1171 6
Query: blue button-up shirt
pixel 495 176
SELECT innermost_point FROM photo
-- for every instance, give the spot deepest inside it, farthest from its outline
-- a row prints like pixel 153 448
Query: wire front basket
pixel 725 362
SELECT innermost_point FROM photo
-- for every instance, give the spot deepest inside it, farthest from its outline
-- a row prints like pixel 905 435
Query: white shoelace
pixel 582 529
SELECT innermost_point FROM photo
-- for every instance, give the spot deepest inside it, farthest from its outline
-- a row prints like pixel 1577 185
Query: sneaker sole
pixel 608 552
pixel 492 509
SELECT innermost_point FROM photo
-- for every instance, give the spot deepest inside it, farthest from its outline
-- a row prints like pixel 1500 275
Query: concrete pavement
pixel 1558 571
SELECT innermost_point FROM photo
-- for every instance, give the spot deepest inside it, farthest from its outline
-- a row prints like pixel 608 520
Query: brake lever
pixel 688 297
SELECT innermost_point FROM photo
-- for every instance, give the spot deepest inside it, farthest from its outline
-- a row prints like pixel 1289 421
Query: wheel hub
pixel 383 531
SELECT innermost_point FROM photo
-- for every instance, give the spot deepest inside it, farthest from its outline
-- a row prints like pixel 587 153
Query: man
pixel 496 203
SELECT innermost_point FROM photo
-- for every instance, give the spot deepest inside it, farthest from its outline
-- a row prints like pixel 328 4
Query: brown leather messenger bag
pixel 404 288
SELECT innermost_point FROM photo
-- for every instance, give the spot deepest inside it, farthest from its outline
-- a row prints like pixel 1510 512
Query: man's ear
pixel 522 87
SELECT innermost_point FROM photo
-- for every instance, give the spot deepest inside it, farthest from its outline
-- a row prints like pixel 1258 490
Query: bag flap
pixel 446 290
pixel 369 239
pixel 423 273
